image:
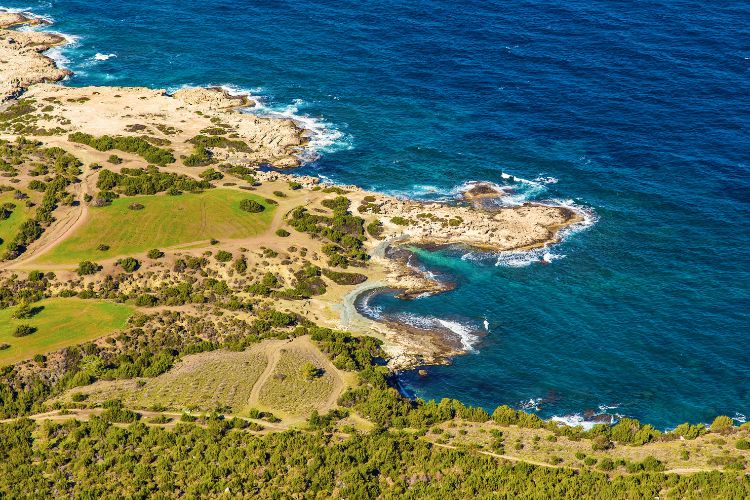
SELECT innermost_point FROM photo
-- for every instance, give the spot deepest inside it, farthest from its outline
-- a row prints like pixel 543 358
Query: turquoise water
pixel 638 113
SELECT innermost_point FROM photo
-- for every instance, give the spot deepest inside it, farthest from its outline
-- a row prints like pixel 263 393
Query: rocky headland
pixel 204 126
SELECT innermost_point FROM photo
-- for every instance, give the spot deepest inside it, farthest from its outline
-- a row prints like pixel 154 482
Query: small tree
pixel 155 253
pixel 129 264
pixel 722 424
pixel 24 311
pixel 23 330
pixel 87 267
pixel 240 265
pixel 310 371
pixel 251 206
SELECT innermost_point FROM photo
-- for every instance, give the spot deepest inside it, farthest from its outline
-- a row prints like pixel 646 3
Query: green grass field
pixel 61 323
pixel 9 226
pixel 166 221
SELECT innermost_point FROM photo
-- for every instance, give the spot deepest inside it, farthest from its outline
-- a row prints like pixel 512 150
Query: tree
pixel 87 267
pixel 251 206
pixel 129 264
pixel 23 330
pixel 722 424
pixel 310 371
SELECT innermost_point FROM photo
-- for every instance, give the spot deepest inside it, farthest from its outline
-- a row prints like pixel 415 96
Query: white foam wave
pixel 57 53
pixel 604 408
pixel 523 258
pixel 466 333
pixel 546 180
pixel 364 306
pixel 26 11
pixel 468 339
pixel 574 420
pixel 740 417
pixel 103 57
pixel 533 404
pixel 323 136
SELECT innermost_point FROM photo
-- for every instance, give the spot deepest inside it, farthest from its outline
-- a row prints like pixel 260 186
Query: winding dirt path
pixel 61 228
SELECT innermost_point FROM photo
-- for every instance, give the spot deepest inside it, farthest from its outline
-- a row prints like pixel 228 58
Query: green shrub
pixel 722 424
pixel 23 330
pixel 223 256
pixel 251 206
pixel 742 444
pixel 129 264
pixel 129 144
pixel 341 278
pixel 87 267
pixel 282 232
pixel 240 265
pixel 375 229
pixel 606 464
pixel 155 253
pixel 400 221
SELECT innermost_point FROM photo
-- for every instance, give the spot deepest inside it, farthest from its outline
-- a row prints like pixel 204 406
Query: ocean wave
pixel 574 420
pixel 524 258
pixel 57 53
pixel 324 137
pixel 27 11
pixel 365 308
pixel 512 190
pixel 533 404
pixel 103 57
pixel 466 333
pixel 740 417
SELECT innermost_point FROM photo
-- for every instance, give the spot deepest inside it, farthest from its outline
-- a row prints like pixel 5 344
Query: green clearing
pixel 9 226
pixel 165 221
pixel 200 382
pixel 290 391
pixel 61 323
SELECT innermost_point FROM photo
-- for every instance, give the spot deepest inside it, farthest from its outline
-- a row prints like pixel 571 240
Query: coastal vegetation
pixel 128 144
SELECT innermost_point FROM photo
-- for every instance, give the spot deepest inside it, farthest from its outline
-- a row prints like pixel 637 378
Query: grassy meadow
pixel 200 382
pixel 165 221
pixel 289 391
pixel 60 323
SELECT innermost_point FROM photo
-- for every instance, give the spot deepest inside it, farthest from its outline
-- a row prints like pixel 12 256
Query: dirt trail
pixel 61 228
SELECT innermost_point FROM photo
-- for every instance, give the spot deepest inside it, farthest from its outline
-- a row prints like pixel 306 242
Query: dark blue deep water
pixel 640 111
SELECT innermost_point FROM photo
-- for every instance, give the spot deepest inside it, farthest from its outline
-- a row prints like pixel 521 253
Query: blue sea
pixel 637 112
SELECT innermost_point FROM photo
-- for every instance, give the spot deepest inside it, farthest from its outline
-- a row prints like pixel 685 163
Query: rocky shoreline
pixel 177 119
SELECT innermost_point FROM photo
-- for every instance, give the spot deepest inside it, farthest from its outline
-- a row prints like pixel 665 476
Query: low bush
pixel 129 264
pixel 251 206
pixel 23 330
pixel 87 267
